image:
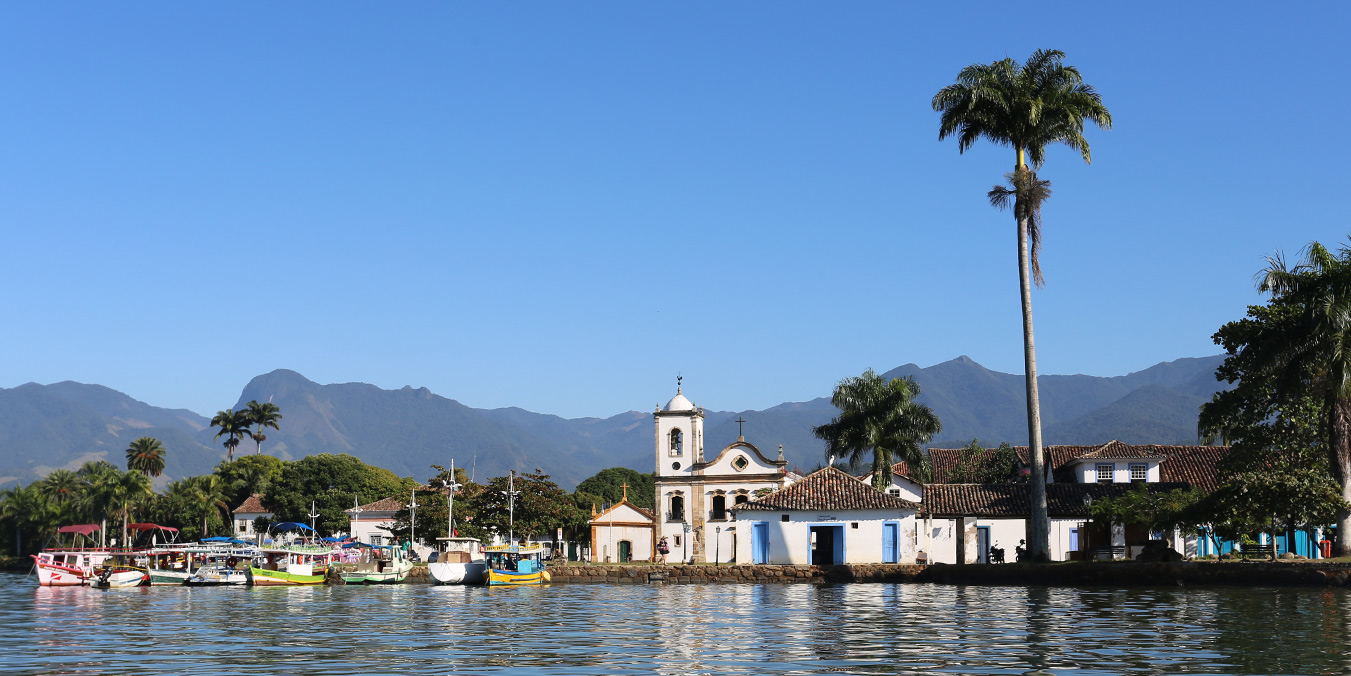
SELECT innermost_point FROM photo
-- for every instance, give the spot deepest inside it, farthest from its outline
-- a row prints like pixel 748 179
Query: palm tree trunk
pixel 1039 529
pixel 1339 448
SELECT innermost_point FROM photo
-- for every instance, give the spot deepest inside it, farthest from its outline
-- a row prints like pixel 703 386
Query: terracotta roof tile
pixel 827 489
pixel 1195 465
pixel 385 505
pixel 1014 500
pixel 253 505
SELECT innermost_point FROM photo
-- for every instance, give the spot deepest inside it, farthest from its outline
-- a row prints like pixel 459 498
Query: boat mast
pixel 511 508
pixel 313 515
pixel 451 486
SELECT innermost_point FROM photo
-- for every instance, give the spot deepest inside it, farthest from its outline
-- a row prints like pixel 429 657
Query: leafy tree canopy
pixel 333 483
pixel 979 465
pixel 607 484
pixel 540 508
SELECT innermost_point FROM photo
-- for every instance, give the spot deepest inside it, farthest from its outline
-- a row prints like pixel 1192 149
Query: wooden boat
pixel 73 563
pixel 119 571
pixel 384 564
pixel 459 561
pixel 212 561
pixel 515 565
pixel 298 563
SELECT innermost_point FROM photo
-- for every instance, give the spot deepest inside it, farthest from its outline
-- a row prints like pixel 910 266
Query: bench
pixel 1256 550
pixel 1108 553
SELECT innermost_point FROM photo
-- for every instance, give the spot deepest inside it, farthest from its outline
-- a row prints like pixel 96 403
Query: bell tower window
pixel 677 443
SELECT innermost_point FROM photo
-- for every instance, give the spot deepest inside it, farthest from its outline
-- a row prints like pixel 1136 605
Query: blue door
pixel 891 546
pixel 760 542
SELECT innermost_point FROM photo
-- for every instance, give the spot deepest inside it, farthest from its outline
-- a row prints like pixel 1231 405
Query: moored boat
pixel 383 564
pixel 297 563
pixel 459 561
pixel 515 565
pixel 70 564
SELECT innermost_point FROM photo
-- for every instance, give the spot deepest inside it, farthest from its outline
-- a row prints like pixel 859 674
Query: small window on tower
pixel 740 463
pixel 677 444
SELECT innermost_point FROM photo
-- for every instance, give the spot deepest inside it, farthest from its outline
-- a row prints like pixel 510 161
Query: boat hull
pixel 458 573
pixel 59 576
pixel 276 578
pixel 213 578
pixel 119 579
pixel 168 578
pixel 506 578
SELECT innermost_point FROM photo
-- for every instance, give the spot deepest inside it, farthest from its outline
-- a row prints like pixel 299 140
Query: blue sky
pixel 560 206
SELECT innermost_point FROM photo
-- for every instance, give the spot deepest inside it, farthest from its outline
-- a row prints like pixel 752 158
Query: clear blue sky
pixel 560 206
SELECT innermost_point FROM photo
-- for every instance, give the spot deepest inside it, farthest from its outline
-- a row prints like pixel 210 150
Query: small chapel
pixel 696 491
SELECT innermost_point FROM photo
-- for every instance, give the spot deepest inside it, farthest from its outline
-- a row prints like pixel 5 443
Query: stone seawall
pixel 684 574
pixel 1086 574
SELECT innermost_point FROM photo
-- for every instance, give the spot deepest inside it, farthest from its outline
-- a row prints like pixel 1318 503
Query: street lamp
pixel 685 543
pixel 717 546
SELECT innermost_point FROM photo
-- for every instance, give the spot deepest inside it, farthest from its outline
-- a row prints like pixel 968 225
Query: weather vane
pixel 678 378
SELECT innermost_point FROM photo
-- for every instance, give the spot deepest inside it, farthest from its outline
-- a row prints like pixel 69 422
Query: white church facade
pixel 696 493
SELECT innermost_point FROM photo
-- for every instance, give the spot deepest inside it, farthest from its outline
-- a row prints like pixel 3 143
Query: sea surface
pixel 677 629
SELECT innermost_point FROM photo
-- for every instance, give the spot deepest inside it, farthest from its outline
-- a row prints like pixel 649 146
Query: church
pixel 697 491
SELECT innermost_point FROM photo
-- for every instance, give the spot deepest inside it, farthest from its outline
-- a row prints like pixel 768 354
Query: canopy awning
pixel 87 529
pixel 292 525
pixel 151 526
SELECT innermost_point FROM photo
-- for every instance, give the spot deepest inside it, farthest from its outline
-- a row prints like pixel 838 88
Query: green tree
pixel 118 494
pixel 540 507
pixel 1151 510
pixel 1293 369
pixel 248 475
pixel 979 465
pixel 61 487
pixel 608 484
pixel 261 416
pixel 1026 107
pixel 331 483
pixel 27 517
pixel 146 455
pixel 232 425
pixel 208 492
pixel 881 417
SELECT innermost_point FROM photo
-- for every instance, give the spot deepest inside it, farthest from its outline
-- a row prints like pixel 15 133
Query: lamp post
pixel 685 543
pixel 717 546
pixel 1088 504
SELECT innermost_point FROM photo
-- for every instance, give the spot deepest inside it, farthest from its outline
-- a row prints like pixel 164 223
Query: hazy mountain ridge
pixel 406 430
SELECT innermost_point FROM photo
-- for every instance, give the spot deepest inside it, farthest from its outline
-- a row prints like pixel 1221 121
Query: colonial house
pixel 252 508
pixel 623 532
pixel 695 494
pixel 371 521
pixel 827 518
pixel 962 522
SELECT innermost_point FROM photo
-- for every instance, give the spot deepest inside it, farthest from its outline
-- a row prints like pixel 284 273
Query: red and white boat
pixel 73 564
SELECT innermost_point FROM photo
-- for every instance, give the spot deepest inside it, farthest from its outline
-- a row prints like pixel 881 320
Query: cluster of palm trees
pixel 249 421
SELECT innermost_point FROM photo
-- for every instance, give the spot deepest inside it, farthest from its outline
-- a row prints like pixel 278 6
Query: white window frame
pixel 1110 476
pixel 1143 472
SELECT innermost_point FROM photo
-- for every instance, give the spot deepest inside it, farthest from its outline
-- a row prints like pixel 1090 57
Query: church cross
pixel 626 492
pixel 738 422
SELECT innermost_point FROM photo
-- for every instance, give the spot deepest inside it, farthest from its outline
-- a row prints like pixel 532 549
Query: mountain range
pixel 45 427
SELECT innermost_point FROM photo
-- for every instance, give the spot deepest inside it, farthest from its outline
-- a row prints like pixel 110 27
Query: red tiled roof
pixel 1115 450
pixel 385 505
pixel 253 505
pixel 1194 465
pixel 1014 500
pixel 827 489
pixel 645 512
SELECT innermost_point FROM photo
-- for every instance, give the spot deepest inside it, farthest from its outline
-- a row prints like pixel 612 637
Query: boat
pixel 383 564
pixel 517 564
pixel 70 564
pixel 458 561
pixel 213 561
pixel 303 562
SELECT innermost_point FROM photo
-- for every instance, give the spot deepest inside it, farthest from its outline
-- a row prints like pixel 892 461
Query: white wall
pixel 790 541
pixel 940 536
pixel 606 546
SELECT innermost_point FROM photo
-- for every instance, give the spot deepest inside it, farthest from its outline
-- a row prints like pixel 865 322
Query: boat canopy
pixel 292 525
pixel 151 526
pixel 222 538
pixel 87 529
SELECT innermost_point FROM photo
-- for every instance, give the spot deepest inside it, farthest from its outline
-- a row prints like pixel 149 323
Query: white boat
pixel 71 564
pixel 218 574
pixel 459 561
pixel 383 564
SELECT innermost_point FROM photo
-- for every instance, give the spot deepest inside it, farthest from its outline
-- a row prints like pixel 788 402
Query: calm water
pixel 690 629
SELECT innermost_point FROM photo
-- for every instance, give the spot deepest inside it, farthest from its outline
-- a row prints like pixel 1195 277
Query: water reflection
pixel 677 630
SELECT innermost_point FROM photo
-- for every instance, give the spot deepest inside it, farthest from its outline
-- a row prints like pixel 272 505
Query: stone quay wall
pixel 1081 574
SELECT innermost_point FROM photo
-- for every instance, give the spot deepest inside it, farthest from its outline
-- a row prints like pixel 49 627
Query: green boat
pixel 382 564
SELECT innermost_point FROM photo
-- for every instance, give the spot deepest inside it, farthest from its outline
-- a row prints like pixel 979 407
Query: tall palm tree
pixel 233 425
pixel 208 492
pixel 882 417
pixel 1026 107
pixel 61 487
pixel 146 455
pixel 117 493
pixel 263 415
pixel 1315 343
